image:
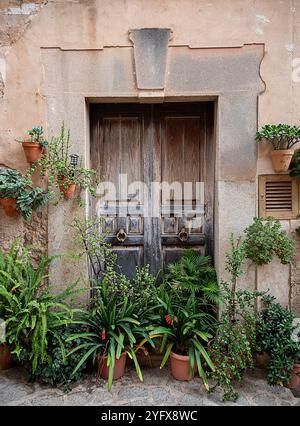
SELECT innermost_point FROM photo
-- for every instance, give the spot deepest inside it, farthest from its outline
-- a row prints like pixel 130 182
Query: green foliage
pixel 265 239
pixel 14 185
pixel 187 327
pixel 281 136
pixel 295 165
pixel 112 327
pixel 31 311
pixel 234 343
pixel 36 135
pixel 55 163
pixel 57 368
pixel 274 336
pixel 194 273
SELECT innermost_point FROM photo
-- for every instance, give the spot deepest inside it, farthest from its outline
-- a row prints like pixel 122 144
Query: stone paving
pixel 158 388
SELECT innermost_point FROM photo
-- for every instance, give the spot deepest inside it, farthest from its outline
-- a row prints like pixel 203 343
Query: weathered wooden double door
pixel 156 163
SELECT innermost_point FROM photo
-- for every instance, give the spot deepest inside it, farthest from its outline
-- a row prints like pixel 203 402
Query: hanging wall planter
pixel 8 205
pixel 282 137
pixel 32 151
pixel 33 147
pixel 67 189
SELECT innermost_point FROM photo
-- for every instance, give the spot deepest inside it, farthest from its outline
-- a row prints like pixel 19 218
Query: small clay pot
pixel 8 205
pixel 6 360
pixel 180 367
pixel 295 379
pixel 32 151
pixel 67 191
pixel 262 360
pixel 281 159
pixel 119 367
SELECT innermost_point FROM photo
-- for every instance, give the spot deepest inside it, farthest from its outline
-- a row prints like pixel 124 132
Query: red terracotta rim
pixel 180 357
pixel 282 152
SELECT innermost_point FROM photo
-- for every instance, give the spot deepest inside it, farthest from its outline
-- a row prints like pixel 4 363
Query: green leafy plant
pixel 36 135
pixel 112 327
pixel 188 329
pixel 14 185
pixel 57 368
pixel 194 273
pixel 266 239
pixel 233 346
pixel 295 165
pixel 281 136
pixel 274 336
pixel 61 171
pixel 32 312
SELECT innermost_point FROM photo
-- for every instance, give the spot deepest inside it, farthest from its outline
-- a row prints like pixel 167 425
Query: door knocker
pixel 121 235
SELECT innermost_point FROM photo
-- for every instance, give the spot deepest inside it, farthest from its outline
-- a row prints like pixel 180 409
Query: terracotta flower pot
pixel 6 360
pixel 67 191
pixel 281 159
pixel 180 367
pixel 32 151
pixel 8 205
pixel 295 379
pixel 118 369
pixel 262 360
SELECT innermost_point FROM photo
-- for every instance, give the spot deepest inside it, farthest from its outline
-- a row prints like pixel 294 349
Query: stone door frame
pixel 228 76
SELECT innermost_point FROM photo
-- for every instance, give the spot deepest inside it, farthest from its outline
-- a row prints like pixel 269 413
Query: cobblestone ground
pixel 158 388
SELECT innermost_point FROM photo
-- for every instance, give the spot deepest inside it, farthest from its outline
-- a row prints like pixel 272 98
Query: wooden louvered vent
pixel 278 196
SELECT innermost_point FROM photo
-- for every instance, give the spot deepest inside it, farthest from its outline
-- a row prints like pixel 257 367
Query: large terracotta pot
pixel 32 151
pixel 180 367
pixel 281 159
pixel 295 379
pixel 6 360
pixel 8 205
pixel 118 369
pixel 67 191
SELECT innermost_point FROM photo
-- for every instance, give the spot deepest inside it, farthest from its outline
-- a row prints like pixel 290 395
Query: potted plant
pixel 6 360
pixel 34 146
pixel 282 137
pixel 33 313
pixel 275 329
pixel 64 170
pixel 18 196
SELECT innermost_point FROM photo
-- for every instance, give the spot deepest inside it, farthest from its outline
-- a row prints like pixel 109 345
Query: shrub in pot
pixel 282 138
pixel 18 196
pixel 274 337
pixel 233 346
pixel 187 300
pixel 34 145
pixel 112 331
pixel 64 170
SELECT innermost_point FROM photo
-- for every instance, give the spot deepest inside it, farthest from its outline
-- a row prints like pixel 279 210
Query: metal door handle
pixel 121 235
pixel 183 235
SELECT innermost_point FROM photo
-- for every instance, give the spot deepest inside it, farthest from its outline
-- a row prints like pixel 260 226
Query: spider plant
pixel 112 327
pixel 189 330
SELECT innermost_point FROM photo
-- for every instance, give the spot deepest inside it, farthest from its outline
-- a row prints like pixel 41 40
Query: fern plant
pixel 32 312
pixel 193 273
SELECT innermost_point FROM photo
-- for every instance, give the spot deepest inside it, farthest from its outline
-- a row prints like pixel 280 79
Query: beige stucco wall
pixel 97 24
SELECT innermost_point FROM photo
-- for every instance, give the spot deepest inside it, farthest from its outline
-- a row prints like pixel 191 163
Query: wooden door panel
pixel 163 143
